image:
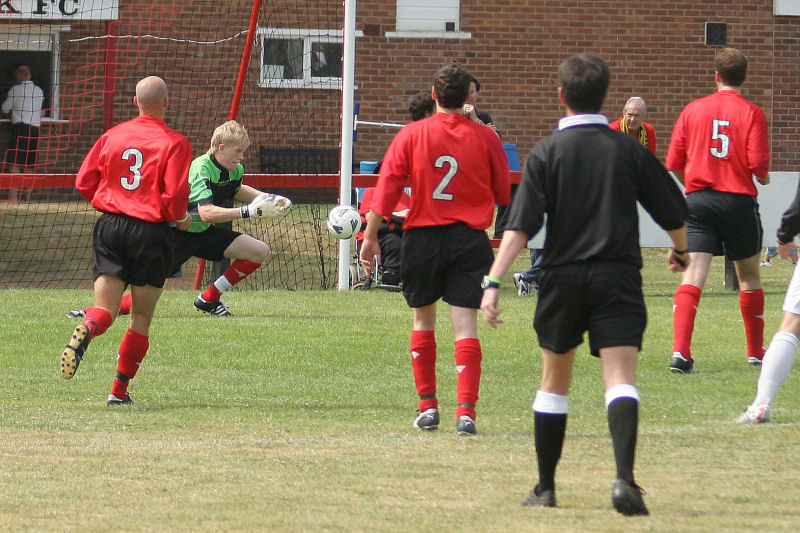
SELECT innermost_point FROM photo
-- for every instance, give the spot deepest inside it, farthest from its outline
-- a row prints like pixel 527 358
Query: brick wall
pixel 654 49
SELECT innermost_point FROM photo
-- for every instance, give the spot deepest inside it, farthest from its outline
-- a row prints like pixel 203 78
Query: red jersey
pixel 720 142
pixel 139 168
pixel 457 169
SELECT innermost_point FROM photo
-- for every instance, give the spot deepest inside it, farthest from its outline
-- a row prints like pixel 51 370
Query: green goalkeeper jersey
pixel 211 183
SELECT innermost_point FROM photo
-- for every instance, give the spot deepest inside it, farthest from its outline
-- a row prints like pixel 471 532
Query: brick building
pixel 657 50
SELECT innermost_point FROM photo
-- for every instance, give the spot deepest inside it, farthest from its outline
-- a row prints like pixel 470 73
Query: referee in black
pixel 587 179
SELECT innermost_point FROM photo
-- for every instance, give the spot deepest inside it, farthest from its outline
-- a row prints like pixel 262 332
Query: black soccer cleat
pixel 427 420
pixel 627 499
pixel 76 313
pixel 540 498
pixel 681 365
pixel 73 352
pixel 212 308
pixel 465 426
pixel 113 400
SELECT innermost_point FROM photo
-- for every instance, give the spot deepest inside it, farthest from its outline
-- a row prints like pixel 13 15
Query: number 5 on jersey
pixel 718 135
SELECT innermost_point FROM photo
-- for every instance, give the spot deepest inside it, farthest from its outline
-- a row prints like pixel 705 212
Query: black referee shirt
pixel 588 178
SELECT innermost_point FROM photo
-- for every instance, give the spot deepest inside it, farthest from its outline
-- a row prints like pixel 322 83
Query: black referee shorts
pixel 446 262
pixel 724 223
pixel 209 244
pixel 138 252
pixel 604 298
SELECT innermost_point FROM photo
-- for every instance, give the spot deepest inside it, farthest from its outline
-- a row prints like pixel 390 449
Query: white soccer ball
pixel 343 221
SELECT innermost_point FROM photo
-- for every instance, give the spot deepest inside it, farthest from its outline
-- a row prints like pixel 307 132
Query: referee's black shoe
pixel 627 499
pixel 681 365
pixel 540 498
pixel 212 308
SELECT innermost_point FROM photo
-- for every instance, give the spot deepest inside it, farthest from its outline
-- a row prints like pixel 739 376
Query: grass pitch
pixel 295 415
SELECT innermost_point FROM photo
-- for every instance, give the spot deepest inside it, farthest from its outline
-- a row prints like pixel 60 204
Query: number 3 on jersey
pixel 452 169
pixel 718 134
pixel 131 183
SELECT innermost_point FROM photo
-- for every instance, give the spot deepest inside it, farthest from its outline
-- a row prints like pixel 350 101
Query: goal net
pixel 86 58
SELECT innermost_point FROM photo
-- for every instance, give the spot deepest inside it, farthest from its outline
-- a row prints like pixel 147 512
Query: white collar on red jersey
pixel 582 120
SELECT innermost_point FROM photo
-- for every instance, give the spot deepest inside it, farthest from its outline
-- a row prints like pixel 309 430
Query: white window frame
pixel 786 7
pixel 428 18
pixel 39 38
pixel 309 37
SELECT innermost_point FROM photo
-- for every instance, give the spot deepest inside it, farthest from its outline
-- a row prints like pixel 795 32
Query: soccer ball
pixel 343 221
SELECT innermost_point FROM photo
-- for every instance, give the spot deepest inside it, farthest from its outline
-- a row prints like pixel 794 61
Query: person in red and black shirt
pixel 457 171
pixel 632 123
pixel 719 144
pixel 135 174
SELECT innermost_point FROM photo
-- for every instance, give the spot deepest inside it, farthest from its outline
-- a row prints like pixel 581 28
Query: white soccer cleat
pixel 754 414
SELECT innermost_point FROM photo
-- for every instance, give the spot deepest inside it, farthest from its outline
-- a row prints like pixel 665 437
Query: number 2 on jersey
pixel 452 169
pixel 718 134
pixel 131 183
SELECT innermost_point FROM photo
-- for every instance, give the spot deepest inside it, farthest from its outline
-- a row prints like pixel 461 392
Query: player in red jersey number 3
pixel 135 174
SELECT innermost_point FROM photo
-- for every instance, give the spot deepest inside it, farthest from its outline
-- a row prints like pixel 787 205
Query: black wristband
pixel 244 212
pixel 680 252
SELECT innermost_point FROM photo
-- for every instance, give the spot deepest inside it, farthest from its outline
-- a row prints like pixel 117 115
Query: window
pixel 309 59
pixel 37 47
pixel 428 18
pixel 786 7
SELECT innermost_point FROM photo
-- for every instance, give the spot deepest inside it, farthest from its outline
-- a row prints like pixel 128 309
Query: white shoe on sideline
pixel 754 414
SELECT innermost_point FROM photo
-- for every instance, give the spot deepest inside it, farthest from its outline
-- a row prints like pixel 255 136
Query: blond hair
pixel 230 132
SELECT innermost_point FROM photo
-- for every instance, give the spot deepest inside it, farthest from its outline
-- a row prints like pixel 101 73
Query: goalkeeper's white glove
pixel 266 205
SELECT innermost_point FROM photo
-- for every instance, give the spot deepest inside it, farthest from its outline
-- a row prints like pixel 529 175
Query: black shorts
pixel 724 223
pixel 23 144
pixel 603 298
pixel 209 244
pixel 445 262
pixel 138 252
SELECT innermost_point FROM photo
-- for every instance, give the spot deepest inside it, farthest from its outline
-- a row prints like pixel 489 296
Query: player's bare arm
pixel 510 246
pixel 370 246
pixel 247 194
pixel 785 249
pixel 678 256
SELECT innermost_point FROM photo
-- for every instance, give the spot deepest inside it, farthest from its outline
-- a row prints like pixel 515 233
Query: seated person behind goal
pixel 215 179
pixel 390 234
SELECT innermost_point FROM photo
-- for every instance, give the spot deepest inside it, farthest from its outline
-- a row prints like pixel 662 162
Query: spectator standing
pixel 719 144
pixel 135 174
pixel 458 171
pixel 24 103
pixel 592 280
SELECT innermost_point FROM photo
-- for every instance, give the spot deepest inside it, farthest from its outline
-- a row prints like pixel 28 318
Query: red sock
pixel 125 304
pixel 468 365
pixel 235 273
pixel 752 306
pixel 132 350
pixel 684 309
pixel 98 320
pixel 423 364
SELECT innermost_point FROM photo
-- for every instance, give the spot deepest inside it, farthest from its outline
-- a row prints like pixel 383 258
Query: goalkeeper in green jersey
pixel 215 179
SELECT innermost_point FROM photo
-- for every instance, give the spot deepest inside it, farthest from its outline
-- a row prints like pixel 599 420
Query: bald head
pixel 151 96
